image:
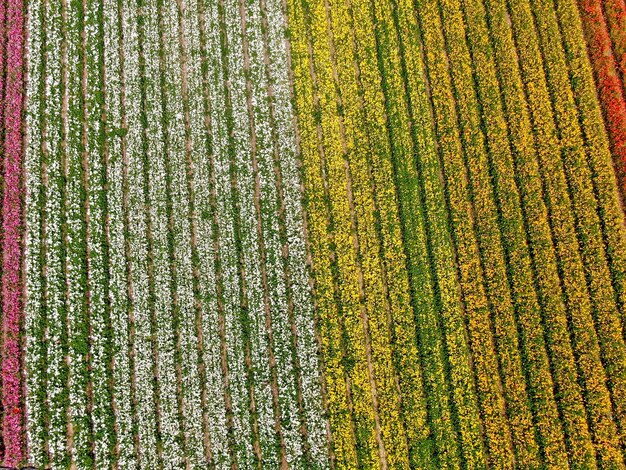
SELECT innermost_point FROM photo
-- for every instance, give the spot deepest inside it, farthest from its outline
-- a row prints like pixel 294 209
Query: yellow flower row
pixel 604 184
pixel 526 153
pixel 374 126
pixel 371 265
pixel 563 220
pixel 476 305
pixel 422 436
pixel 587 208
pixel 499 242
pixel 317 225
pixel 512 223
pixel 361 181
pixel 442 257
pixel 344 394
pixel 574 158
pixel 366 126
pixel 351 278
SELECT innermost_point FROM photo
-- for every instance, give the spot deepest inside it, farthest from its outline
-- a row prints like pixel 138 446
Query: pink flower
pixel 12 288
pixel 3 36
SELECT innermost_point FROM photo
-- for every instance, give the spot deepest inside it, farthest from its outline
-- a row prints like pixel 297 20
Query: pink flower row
pixel 12 38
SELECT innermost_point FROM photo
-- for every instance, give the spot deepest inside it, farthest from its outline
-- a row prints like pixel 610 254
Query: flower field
pixel 313 234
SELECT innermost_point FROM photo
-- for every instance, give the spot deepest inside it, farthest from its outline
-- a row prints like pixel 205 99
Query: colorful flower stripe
pixel 380 259
pixel 327 168
pixel 443 296
pixel 319 223
pixel 74 166
pixel 541 239
pixel 413 368
pixel 473 286
pixel 3 57
pixel 510 240
pixel 312 234
pixel 558 203
pixel 211 283
pixel 188 409
pixel 586 168
pixel 287 184
pixel 139 316
pixel 36 348
pixel 403 329
pixel 608 81
pixel 119 294
pixel 3 24
pixel 129 159
pixel 609 209
pixel 516 237
pixel 55 278
pixel 13 406
pixel 97 178
pixel 615 15
pixel 230 348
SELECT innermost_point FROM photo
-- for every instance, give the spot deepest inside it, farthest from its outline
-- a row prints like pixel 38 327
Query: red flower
pixel 608 82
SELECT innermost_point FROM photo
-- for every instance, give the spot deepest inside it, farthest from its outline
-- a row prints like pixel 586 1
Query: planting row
pixel 312 234
pixel 604 24
pixel 169 314
pixel 475 129
pixel 12 83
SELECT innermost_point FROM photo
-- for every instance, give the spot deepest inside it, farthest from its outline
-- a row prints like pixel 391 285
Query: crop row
pixel 407 147
pixel 3 37
pixel 615 13
pixel 438 308
pixel 312 233
pixel 382 259
pixel 168 307
pixel 12 73
pixel 559 365
pixel 348 63
pixel 512 304
pixel 571 307
pixel 562 366
pixel 349 174
pixel 608 79
pixel 329 170
pixel 329 322
pixel 512 236
pixel 587 179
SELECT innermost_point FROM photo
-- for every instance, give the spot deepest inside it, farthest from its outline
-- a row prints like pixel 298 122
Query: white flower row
pixel 157 207
pixel 55 262
pixel 269 220
pixel 103 432
pixel 250 252
pixel 303 315
pixel 231 181
pixel 182 239
pixel 241 430
pixel 120 303
pixel 34 207
pixel 143 370
pixel 75 254
pixel 203 147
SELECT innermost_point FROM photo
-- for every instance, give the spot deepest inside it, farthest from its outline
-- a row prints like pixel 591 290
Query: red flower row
pixel 606 41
